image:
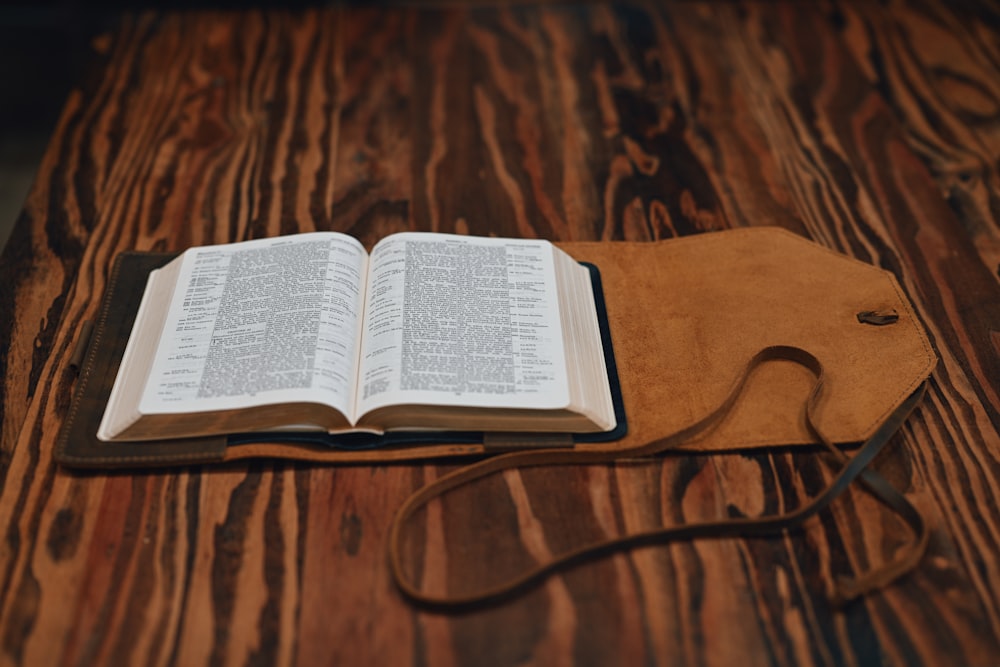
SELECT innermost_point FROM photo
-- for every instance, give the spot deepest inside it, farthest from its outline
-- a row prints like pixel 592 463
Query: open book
pixel 310 332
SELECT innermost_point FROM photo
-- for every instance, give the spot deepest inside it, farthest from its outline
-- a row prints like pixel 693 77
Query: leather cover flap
pixel 687 315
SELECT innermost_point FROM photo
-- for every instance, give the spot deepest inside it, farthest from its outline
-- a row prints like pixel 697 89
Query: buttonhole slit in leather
pixel 878 318
pixel 82 344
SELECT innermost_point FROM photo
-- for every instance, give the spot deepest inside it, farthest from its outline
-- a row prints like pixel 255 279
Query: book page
pixel 464 321
pixel 266 321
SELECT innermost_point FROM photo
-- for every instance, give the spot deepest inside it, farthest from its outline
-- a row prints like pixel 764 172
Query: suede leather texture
pixel 688 314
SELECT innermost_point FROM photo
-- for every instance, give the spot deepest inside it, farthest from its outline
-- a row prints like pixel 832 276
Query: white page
pixel 464 321
pixel 259 322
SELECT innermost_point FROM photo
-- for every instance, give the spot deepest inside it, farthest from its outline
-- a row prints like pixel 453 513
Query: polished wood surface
pixel 872 128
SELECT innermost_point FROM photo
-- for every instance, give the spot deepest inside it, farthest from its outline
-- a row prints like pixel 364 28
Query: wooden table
pixel 873 129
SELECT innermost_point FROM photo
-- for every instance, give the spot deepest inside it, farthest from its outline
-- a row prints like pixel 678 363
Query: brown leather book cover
pixel 685 316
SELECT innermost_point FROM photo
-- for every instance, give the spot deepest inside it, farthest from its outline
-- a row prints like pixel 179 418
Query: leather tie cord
pixel 854 467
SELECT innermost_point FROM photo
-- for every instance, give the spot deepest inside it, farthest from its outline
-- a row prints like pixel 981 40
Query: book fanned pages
pixel 310 332
pixel 678 321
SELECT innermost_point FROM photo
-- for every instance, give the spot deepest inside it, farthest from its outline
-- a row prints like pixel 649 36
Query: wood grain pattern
pixel 872 128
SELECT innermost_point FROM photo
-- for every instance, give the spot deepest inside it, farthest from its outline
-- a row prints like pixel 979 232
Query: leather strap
pixel 853 467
